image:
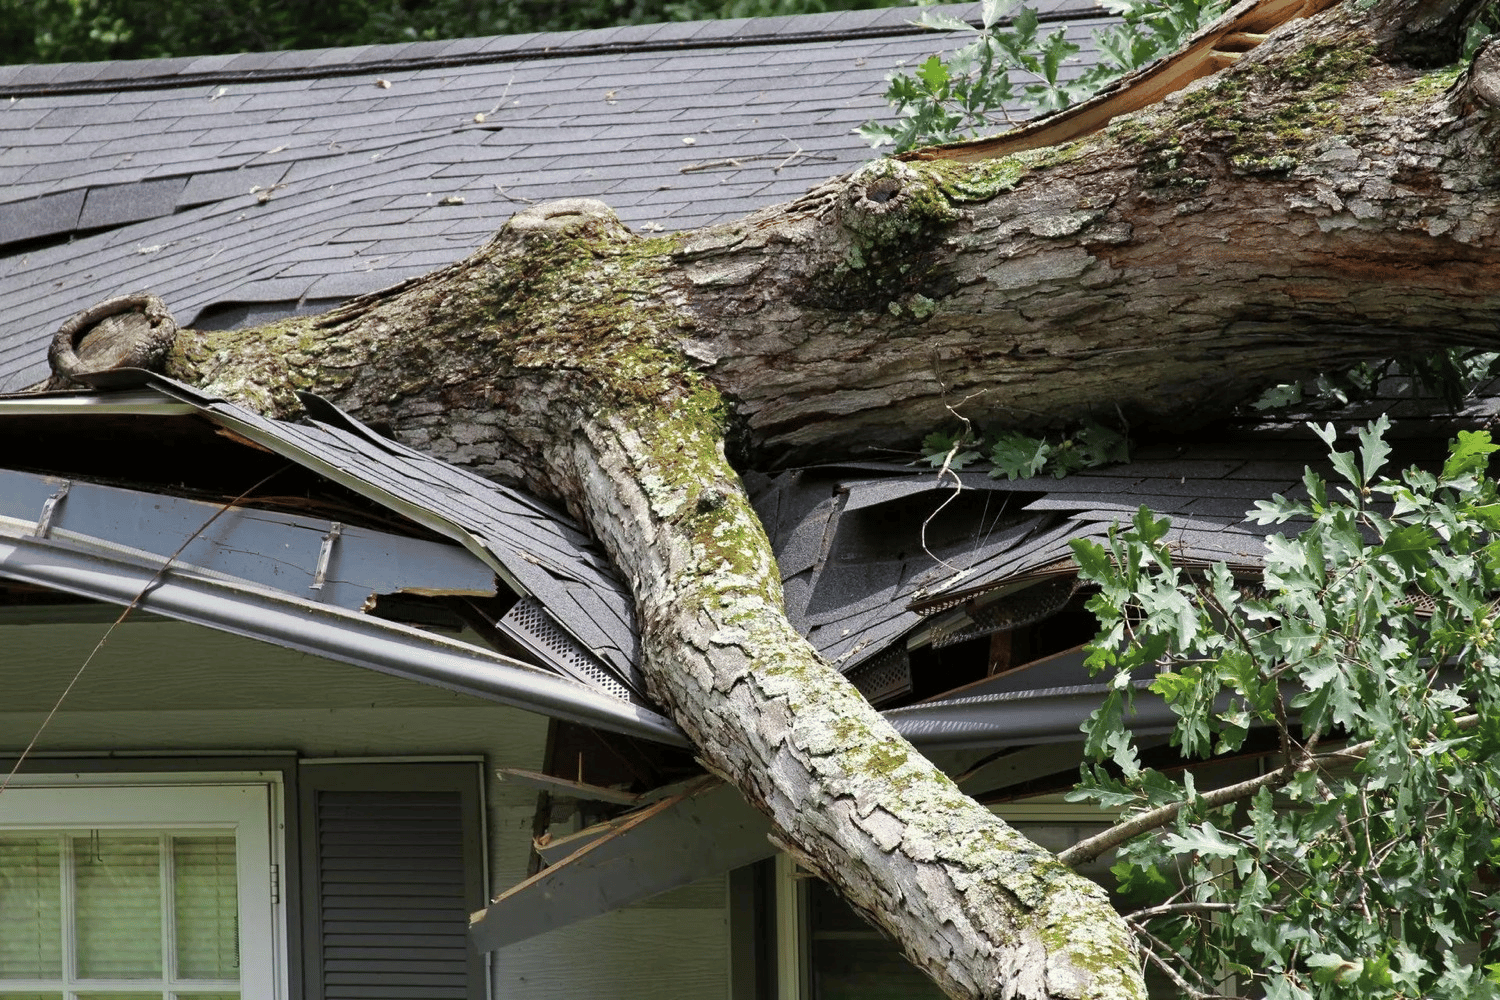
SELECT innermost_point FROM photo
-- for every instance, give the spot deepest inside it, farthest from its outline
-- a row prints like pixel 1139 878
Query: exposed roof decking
pixel 537 551
pixel 860 575
pixel 164 154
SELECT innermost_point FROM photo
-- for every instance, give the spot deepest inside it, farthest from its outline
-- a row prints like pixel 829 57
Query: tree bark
pixel 1326 200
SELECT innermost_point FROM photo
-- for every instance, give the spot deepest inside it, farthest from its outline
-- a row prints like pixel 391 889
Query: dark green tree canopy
pixel 43 31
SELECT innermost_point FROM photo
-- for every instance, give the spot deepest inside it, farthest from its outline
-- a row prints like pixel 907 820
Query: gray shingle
pixel 14 117
pixel 110 206
pixel 63 152
pixel 218 185
pixel 22 182
pixel 25 220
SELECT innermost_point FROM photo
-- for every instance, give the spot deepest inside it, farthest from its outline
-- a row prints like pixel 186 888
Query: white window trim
pixel 249 803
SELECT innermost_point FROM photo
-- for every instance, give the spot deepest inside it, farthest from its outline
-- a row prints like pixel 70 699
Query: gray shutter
pixel 390 889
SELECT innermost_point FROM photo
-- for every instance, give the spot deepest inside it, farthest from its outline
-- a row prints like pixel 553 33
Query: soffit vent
pixel 885 677
pixel 528 624
pixel 1011 612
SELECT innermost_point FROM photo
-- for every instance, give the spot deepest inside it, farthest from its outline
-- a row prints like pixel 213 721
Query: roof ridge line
pixel 360 68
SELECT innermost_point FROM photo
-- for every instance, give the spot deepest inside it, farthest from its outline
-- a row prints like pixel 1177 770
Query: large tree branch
pixel 1309 207
pixel 1312 206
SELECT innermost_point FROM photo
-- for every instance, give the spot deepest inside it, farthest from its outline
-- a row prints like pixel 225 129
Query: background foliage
pixel 40 31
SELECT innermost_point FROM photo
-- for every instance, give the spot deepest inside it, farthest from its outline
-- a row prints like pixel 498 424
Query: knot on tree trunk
pixel 884 193
pixel 124 333
pixel 566 217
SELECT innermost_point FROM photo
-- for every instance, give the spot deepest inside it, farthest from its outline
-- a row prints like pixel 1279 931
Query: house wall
pixel 249 696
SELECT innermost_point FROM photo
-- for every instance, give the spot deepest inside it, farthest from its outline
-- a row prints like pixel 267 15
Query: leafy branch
pixel 1010 63
pixel 1451 375
pixel 1345 871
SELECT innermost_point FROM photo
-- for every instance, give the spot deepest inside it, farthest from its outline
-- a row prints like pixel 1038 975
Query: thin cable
pixel 134 602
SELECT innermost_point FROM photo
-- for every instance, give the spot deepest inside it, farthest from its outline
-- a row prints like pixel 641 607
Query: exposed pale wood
pixel 705 831
pixel 563 786
pixel 1240 41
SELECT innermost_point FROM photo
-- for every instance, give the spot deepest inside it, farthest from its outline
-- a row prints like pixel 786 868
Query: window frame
pixel 65 797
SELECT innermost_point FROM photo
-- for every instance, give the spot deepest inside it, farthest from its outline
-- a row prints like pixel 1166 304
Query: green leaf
pixel 992 11
pixel 1285 394
pixel 1468 454
pixel 934 73
pixel 1017 456
pixel 1147 527
pixel 1409 548
pixel 1100 445
pixel 1094 563
pixel 1329 968
pixel 1343 464
pixel 939 21
pixel 1373 451
pixel 1204 840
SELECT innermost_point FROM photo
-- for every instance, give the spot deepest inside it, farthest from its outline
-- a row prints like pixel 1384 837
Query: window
pixel 142 887
pixel 825 951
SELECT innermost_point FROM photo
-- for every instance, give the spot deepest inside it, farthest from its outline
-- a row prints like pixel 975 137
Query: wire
pixel 134 603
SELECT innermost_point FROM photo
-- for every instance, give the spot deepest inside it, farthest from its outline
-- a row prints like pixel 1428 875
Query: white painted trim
pixel 140 779
pixel 250 804
pixel 791 931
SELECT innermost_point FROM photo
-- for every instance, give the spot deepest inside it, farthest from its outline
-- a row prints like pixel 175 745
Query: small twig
pixel 513 197
pixel 503 94
pixel 1178 909
pixel 963 438
pixel 693 168
pixel 739 161
pixel 134 602
pixel 1171 973
pixel 792 156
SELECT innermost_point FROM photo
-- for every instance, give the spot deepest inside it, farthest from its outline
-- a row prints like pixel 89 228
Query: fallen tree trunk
pixel 1328 199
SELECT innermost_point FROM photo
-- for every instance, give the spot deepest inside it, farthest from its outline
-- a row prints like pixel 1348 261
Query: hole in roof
pixel 14 248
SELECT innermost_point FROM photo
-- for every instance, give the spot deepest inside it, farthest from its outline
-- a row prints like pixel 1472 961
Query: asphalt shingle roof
pixel 247 186
pixel 244 187
pixel 868 558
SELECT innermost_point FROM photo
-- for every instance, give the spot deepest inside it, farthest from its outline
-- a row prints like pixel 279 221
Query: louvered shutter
pixel 395 873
